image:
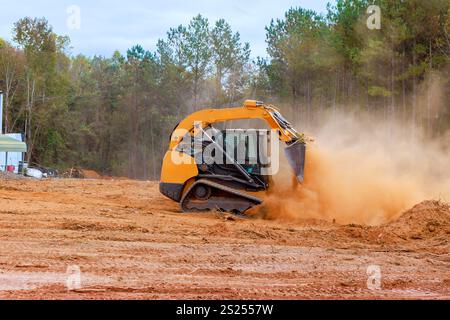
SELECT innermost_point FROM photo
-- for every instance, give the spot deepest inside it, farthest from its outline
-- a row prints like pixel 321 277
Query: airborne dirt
pixel 131 243
pixel 363 171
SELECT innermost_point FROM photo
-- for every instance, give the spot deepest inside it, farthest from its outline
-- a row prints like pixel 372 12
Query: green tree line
pixel 115 114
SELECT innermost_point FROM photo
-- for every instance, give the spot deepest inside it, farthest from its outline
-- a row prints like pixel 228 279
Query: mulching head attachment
pixel 296 155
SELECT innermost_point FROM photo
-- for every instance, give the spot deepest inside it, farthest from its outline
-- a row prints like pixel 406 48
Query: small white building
pixel 12 151
pixel 12 147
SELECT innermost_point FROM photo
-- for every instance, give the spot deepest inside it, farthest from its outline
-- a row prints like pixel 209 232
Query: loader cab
pixel 248 149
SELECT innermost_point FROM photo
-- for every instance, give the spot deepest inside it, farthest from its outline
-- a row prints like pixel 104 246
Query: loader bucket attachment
pixel 296 155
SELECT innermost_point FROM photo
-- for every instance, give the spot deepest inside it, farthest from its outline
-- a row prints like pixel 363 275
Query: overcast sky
pixel 108 25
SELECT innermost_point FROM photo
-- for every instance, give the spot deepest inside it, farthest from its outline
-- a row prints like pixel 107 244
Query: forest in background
pixel 115 114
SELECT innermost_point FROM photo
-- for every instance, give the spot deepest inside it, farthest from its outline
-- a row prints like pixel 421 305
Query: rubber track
pixel 218 186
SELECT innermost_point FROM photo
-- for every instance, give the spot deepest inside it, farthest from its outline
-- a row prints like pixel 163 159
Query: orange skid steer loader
pixel 204 170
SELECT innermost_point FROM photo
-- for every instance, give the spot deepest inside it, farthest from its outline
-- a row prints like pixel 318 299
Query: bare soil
pixel 131 243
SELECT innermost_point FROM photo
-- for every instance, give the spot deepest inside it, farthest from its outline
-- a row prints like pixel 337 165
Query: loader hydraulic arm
pixel 251 110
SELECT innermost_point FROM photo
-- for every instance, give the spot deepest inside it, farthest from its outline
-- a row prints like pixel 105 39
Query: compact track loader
pixel 209 169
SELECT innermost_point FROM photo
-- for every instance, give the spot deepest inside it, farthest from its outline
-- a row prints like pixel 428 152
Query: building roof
pixel 8 144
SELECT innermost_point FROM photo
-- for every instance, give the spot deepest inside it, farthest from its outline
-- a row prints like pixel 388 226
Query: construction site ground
pixel 129 242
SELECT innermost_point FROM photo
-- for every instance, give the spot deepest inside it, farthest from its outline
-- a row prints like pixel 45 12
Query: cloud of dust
pixel 362 171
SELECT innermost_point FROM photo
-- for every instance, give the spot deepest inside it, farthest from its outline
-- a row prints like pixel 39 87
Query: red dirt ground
pixel 131 243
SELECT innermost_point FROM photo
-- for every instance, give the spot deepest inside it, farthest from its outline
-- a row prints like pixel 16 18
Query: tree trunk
pixel 308 101
pixel 152 146
pixel 414 102
pixel 429 123
pixel 392 113
pixel 8 80
pixel 28 122
pixel 218 85
pixel 335 95
pixel 404 116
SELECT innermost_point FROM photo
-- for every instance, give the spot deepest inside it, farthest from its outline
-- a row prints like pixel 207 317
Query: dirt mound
pixel 78 173
pixel 11 176
pixel 90 174
pixel 428 219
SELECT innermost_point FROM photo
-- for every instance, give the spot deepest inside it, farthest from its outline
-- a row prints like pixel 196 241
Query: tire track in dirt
pixel 131 243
